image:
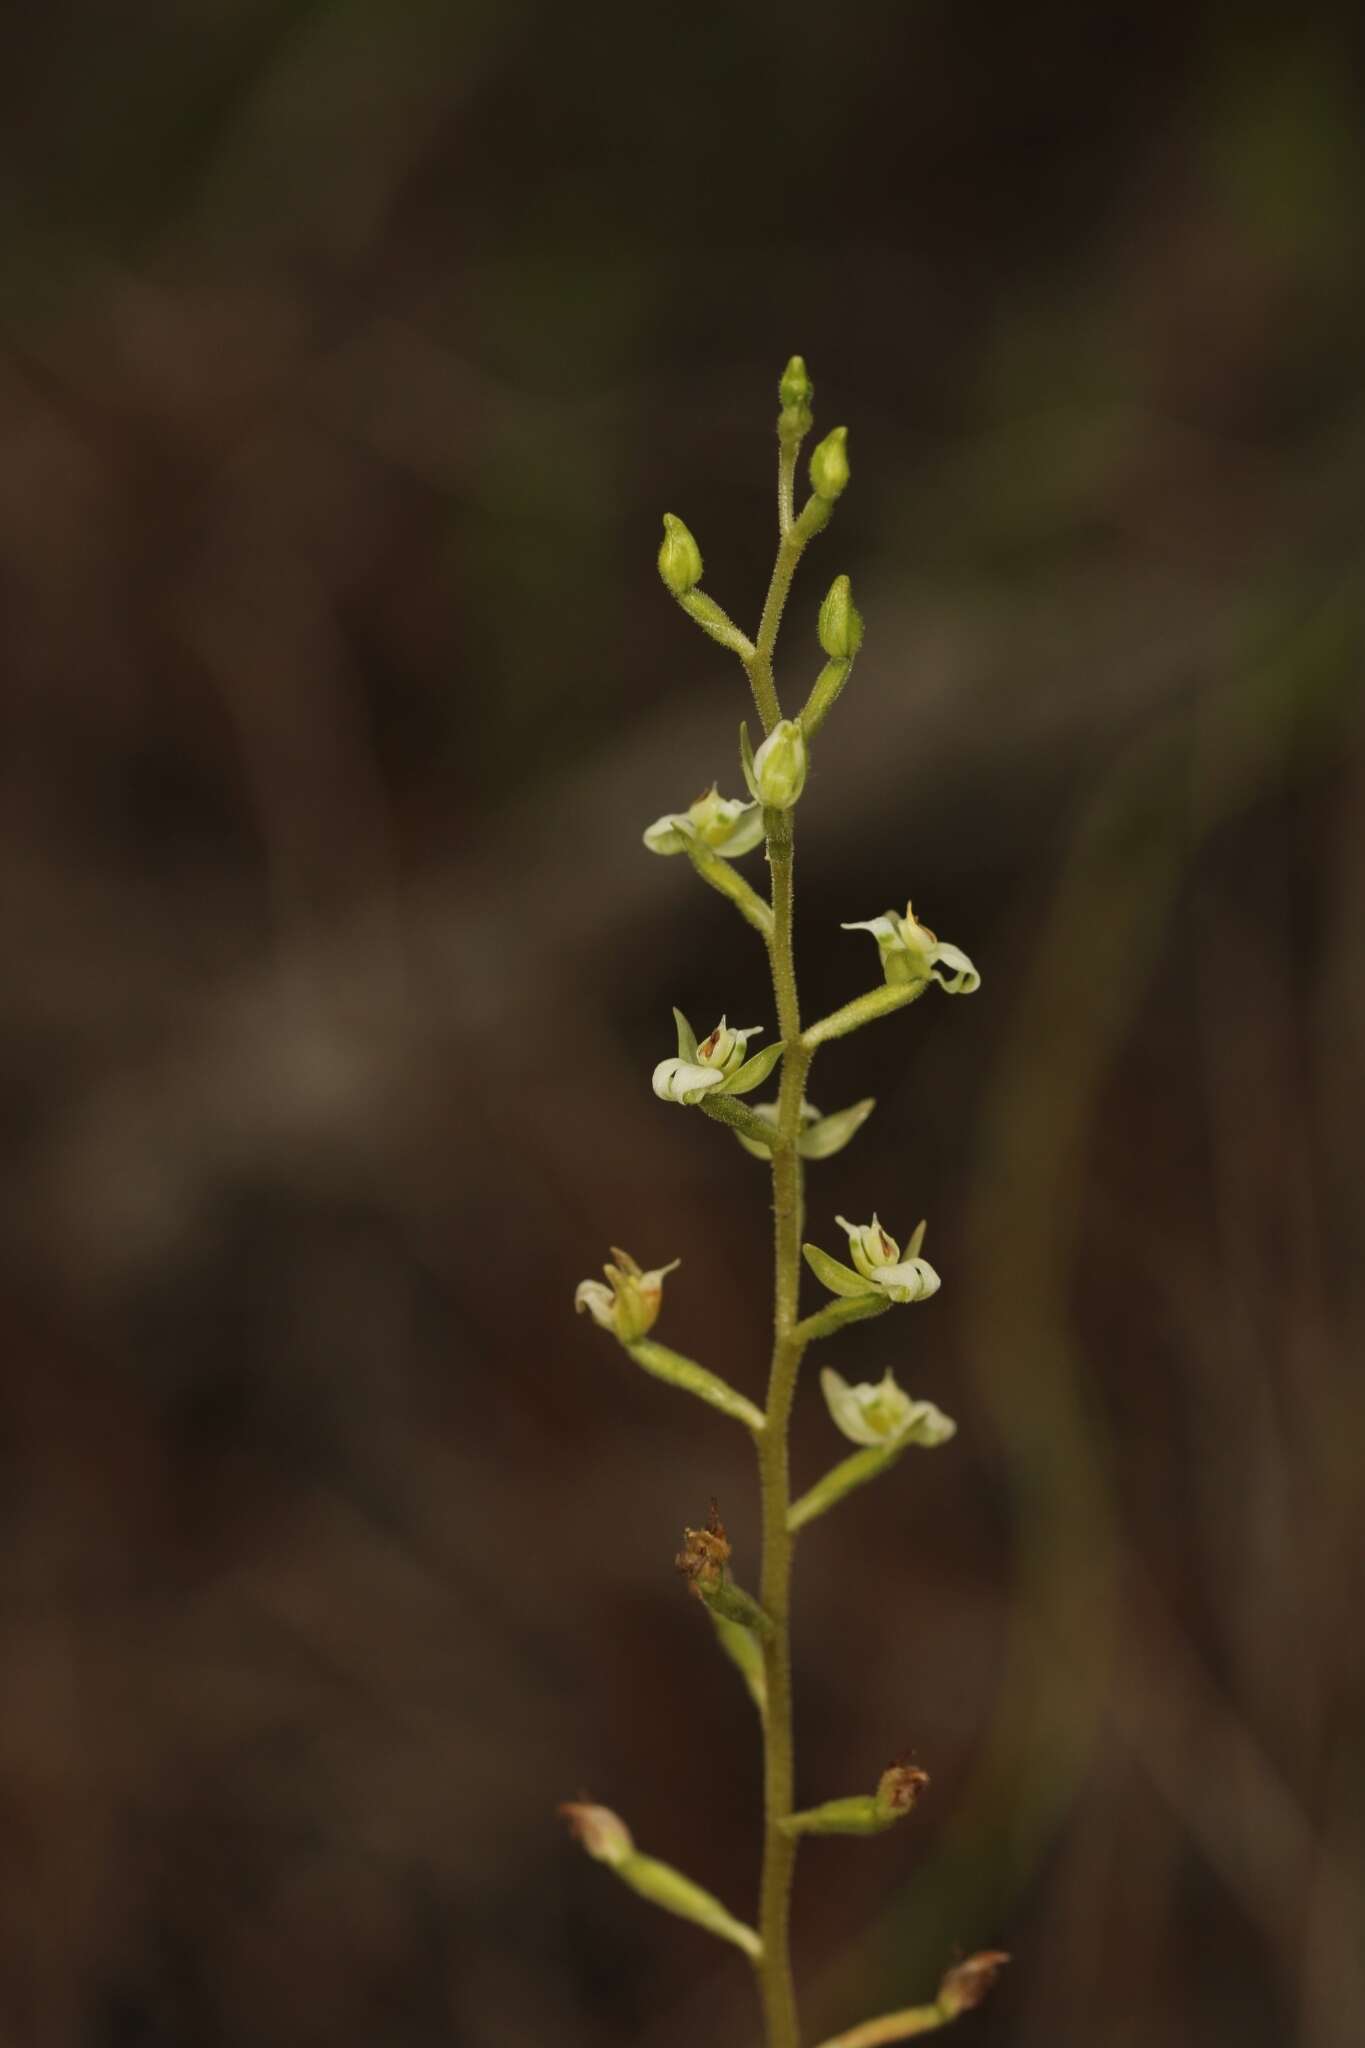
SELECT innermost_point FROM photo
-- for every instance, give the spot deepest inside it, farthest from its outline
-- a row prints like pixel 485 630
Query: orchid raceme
pixel 627 1303
pixel 723 823
pixel 883 1414
pixel 876 1417
pixel 911 953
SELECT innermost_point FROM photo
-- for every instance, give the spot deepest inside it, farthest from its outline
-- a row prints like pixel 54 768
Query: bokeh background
pixel 349 353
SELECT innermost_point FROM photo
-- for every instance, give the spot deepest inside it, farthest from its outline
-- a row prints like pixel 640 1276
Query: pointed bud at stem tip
pixel 829 470
pixel 679 557
pixel 841 625
pixel 796 389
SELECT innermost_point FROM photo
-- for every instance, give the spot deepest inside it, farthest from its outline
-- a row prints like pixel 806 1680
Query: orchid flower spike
pixel 723 823
pixel 628 1302
pixel 720 1062
pixel 910 952
pixel 884 1414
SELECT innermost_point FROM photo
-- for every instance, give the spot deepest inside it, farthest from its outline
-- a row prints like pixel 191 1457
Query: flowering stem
pixel 878 1002
pixel 779 1849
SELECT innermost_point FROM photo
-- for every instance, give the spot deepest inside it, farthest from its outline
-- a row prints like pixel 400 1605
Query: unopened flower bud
pixel 601 1832
pixel 777 773
pixel 628 1303
pixel 679 557
pixel 796 389
pixel 829 471
pixel 841 625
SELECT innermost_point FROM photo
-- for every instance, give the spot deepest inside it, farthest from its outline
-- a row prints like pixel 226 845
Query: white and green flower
pixel 627 1303
pixel 723 823
pixel 883 1415
pixel 910 953
pixel 878 1267
pixel 719 1063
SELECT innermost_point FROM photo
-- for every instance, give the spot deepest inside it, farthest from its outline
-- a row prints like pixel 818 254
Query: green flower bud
pixel 829 471
pixel 796 390
pixel 776 774
pixel 841 624
pixel 679 557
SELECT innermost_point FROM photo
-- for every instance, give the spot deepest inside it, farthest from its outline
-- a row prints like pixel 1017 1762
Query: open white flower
pixel 877 1256
pixel 910 952
pixel 628 1302
pixel 883 1415
pixel 878 1267
pixel 720 1062
pixel 723 823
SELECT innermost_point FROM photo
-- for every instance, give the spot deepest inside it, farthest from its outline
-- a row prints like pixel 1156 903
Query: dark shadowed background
pixel 349 354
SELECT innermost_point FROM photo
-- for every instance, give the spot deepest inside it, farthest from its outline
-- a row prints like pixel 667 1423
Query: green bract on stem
pixel 875 1274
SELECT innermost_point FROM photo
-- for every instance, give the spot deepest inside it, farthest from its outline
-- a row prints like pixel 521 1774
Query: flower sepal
pixel 820 1136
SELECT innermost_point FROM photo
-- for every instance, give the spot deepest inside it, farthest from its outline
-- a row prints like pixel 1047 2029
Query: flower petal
pixel 596 1297
pixel 883 929
pixel 754 1072
pixel 745 834
pixel 687 1037
pixel 912 1280
pixel 666 835
pixel 829 1134
pixel 930 1426
pixel 964 980
pixel 839 1279
pixel 680 1081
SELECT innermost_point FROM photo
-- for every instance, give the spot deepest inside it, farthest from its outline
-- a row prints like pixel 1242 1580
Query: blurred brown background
pixel 348 356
